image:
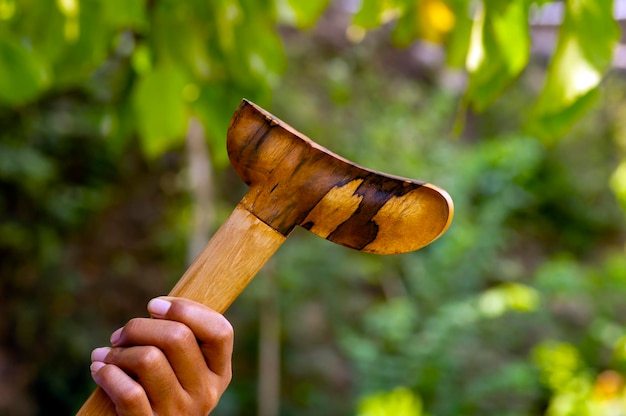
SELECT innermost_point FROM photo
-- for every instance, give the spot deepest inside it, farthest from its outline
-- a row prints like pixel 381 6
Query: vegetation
pixel 516 311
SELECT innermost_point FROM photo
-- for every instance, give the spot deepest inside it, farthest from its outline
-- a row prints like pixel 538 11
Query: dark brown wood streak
pixel 294 181
pixel 360 229
pixel 290 176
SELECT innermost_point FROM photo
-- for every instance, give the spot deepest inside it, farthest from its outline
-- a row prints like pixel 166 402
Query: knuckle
pixel 132 325
pixel 223 331
pixel 211 398
pixel 131 396
pixel 181 334
pixel 105 375
pixel 150 358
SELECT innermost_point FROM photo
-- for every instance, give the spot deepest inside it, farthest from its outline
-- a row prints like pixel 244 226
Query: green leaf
pixel 229 14
pixel 161 110
pixel 498 52
pixel 181 41
pixel 583 54
pixel 261 53
pixel 214 109
pixel 407 26
pixel 398 402
pixel 373 13
pixel 86 44
pixel 302 14
pixel 458 41
pixel 125 13
pixel 23 74
pixel 368 14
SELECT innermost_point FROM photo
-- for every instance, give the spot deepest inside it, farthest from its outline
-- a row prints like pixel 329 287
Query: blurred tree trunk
pixel 269 348
pixel 201 188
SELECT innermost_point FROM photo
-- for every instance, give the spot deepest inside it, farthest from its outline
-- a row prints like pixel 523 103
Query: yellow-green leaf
pixel 373 13
pixel 398 402
pixel 302 14
pixel 23 74
pixel 583 54
pixel 457 43
pixel 125 13
pixel 161 110
pixel 499 50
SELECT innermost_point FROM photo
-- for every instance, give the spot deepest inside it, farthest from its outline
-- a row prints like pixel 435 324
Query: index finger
pixel 213 331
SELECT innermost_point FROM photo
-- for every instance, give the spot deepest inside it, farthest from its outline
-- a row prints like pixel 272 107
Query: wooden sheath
pixel 235 254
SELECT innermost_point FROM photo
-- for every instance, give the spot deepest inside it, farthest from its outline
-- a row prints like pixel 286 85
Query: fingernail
pixel 159 307
pixel 99 354
pixel 115 336
pixel 95 366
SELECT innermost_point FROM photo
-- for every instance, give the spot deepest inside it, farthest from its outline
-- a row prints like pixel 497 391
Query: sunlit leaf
pixel 427 20
pixel 457 42
pixel 398 402
pixel 499 50
pixel 406 29
pixel 161 110
pixel 436 20
pixel 618 183
pixel 302 14
pixel 511 296
pixel 369 13
pixel 142 59
pixel 558 362
pixel 229 13
pixel 373 13
pixel 583 54
pixel 7 9
pixel 23 75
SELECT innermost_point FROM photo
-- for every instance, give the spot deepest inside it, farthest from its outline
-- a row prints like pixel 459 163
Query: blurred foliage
pixel 149 65
pixel 583 54
pixel 492 41
pixel 576 390
pixel 516 311
pixel 398 402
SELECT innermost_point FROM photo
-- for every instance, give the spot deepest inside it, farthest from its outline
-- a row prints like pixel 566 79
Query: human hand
pixel 178 363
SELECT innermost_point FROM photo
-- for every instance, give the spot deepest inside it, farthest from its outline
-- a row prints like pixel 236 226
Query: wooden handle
pixel 233 256
pixel 294 181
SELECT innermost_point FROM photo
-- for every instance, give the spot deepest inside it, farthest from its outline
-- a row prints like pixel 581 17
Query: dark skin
pixel 178 362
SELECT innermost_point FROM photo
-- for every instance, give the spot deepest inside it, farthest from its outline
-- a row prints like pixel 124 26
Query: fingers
pixel 179 360
pixel 176 344
pixel 146 364
pixel 212 330
pixel 128 396
pixel 139 376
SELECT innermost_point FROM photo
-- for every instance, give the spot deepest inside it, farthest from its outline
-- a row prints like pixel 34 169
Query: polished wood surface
pixel 294 181
pixel 233 256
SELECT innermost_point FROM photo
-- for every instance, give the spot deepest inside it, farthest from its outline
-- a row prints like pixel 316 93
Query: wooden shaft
pixel 235 254
pixel 294 181
pixel 230 260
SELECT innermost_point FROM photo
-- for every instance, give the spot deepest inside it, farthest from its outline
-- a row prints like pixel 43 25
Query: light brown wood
pixel 98 404
pixel 234 255
pixel 294 181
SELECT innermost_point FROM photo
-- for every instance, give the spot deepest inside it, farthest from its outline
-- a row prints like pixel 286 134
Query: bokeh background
pixel 113 175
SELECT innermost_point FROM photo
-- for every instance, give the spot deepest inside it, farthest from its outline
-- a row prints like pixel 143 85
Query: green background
pixel 113 172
